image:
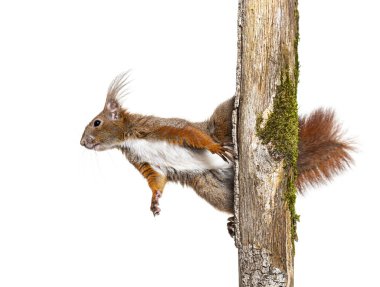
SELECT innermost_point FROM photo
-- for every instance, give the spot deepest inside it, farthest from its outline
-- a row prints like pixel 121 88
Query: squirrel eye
pixel 97 123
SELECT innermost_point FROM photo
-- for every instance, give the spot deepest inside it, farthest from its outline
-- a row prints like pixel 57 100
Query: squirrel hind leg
pixel 216 187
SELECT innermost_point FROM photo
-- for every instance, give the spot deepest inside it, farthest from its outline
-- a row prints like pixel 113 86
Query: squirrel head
pixel 107 130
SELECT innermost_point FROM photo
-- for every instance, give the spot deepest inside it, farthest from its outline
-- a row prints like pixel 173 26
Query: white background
pixel 73 217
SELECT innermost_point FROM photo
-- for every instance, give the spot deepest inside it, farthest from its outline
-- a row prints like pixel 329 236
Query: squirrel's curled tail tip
pixel 323 150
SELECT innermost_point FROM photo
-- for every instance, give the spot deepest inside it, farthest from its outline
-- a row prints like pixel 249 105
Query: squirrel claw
pixel 156 211
pixel 223 157
pixel 229 144
pixel 227 152
pixel 231 226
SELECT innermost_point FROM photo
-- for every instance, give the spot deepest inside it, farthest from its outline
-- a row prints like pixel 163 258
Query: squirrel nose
pixel 83 140
pixel 86 140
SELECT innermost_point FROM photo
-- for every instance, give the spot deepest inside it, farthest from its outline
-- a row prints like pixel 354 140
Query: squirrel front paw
pixel 154 206
pixel 225 151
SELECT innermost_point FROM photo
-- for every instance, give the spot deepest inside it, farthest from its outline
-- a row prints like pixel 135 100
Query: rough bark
pixel 267 69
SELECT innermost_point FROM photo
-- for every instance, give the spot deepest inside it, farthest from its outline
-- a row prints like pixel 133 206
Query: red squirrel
pixel 199 154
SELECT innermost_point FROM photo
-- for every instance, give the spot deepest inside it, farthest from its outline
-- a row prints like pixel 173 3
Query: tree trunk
pixel 266 137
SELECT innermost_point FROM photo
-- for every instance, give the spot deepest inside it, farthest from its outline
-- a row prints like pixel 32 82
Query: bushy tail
pixel 323 152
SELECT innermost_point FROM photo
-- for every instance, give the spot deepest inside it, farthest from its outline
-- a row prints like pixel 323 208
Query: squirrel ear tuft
pixel 116 92
pixel 118 88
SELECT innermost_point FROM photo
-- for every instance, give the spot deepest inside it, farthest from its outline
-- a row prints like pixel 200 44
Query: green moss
pixel 281 133
pixel 281 128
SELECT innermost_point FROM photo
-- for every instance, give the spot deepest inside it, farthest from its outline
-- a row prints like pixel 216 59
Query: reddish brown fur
pixel 323 152
pixel 155 181
pixel 192 137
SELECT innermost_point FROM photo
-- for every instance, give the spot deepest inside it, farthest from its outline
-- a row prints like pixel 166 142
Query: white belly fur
pixel 163 156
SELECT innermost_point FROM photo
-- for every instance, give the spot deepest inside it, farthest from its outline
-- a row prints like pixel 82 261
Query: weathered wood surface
pixel 267 36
